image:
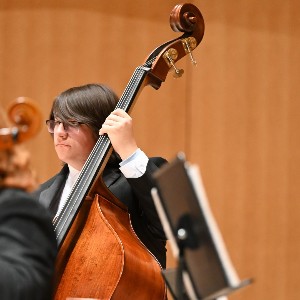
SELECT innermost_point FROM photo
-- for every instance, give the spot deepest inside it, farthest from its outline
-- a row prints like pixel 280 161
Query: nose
pixel 60 129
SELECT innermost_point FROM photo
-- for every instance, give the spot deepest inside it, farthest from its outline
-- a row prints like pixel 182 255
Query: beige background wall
pixel 236 114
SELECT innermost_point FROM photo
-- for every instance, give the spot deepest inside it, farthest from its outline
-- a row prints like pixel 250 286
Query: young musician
pixel 77 117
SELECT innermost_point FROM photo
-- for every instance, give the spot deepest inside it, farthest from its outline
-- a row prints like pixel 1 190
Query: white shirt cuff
pixel 135 165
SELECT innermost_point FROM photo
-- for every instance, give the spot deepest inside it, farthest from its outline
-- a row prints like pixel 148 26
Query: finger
pixel 119 112
pixel 110 122
pixel 114 118
pixel 104 129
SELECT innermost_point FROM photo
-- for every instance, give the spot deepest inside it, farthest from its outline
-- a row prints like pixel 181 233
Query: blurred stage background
pixel 236 114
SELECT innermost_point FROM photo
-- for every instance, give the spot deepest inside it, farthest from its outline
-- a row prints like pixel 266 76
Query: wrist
pixel 127 153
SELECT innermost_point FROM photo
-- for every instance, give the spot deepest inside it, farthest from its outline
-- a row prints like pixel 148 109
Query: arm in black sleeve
pixel 142 190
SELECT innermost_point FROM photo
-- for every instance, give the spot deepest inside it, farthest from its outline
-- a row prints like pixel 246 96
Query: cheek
pixel 86 143
pixel 86 146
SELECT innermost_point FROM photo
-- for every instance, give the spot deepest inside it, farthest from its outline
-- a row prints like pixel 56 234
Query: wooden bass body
pixel 108 261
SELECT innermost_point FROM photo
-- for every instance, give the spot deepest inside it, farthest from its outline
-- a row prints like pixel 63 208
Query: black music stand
pixel 204 269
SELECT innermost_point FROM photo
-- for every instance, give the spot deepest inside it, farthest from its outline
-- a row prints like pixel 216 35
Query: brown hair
pixel 89 104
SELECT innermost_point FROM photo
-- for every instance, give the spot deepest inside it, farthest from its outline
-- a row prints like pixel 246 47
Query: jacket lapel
pixel 50 196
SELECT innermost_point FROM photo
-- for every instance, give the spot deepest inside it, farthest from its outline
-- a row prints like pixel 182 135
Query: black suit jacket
pixel 133 192
pixel 27 247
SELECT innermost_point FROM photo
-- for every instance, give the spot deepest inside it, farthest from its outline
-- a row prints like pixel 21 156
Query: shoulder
pixel 11 195
pixel 16 202
pixel 21 210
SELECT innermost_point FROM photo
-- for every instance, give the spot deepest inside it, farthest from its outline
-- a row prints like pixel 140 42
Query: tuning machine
pixel 170 56
pixel 189 44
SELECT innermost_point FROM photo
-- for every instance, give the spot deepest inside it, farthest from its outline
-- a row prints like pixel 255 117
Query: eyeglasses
pixel 68 126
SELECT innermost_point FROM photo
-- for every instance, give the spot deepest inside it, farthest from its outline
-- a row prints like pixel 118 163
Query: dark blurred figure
pixel 27 239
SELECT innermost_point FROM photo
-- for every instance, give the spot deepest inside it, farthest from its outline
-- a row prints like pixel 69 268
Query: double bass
pixel 100 256
pixel 23 121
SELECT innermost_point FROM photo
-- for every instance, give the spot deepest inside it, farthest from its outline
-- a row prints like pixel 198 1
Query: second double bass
pixel 117 265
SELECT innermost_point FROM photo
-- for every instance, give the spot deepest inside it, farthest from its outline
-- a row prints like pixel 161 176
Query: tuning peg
pixel 177 72
pixel 189 44
pixel 170 56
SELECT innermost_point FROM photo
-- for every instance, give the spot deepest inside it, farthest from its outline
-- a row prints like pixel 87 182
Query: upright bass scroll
pixel 183 18
pixel 26 122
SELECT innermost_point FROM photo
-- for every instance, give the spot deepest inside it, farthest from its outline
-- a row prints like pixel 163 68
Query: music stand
pixel 204 268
